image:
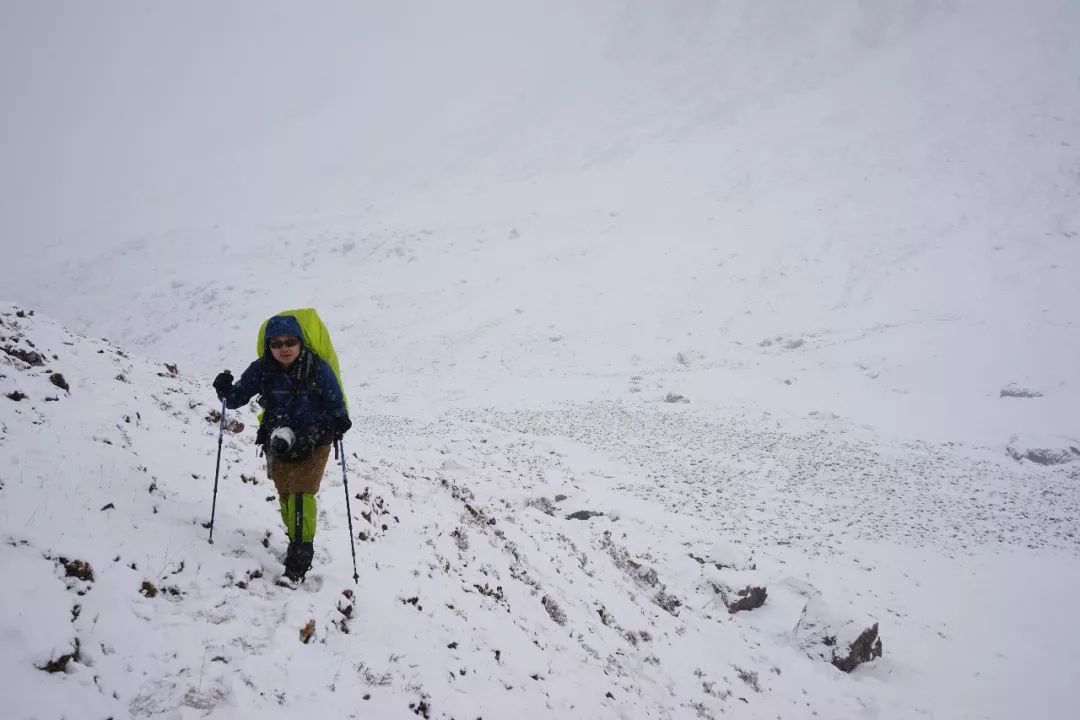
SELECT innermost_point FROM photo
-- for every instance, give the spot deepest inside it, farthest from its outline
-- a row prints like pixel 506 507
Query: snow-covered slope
pixel 771 285
pixel 573 562
pixel 497 203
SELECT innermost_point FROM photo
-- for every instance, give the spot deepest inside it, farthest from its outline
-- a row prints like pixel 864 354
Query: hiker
pixel 304 412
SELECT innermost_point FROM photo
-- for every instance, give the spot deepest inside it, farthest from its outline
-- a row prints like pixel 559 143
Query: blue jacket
pixel 305 397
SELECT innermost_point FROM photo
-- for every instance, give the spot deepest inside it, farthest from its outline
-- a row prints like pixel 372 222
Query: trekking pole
pixel 352 541
pixel 217 470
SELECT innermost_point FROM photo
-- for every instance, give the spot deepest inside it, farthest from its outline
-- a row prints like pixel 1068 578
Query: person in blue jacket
pixel 303 414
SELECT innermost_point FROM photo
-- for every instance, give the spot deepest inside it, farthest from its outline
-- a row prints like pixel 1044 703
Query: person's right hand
pixel 341 425
pixel 223 384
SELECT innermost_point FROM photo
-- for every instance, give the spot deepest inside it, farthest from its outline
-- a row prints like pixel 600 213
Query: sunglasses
pixel 278 344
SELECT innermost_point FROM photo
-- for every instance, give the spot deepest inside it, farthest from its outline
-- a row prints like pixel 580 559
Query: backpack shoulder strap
pixel 307 374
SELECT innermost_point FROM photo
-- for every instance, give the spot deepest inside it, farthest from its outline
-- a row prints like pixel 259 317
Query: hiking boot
pixel 305 553
pixel 298 560
pixel 290 554
pixel 290 561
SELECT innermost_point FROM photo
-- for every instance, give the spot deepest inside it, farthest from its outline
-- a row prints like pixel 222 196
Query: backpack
pixel 316 338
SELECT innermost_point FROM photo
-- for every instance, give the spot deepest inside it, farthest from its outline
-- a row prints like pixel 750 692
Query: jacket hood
pixel 283 325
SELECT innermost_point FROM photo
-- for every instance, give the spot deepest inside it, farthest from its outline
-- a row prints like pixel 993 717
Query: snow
pixel 637 305
pixel 966 563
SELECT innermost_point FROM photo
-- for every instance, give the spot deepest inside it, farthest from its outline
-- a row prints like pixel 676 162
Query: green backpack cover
pixel 316 338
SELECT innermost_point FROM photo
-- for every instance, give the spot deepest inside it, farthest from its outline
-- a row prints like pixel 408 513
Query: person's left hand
pixel 341 425
pixel 223 384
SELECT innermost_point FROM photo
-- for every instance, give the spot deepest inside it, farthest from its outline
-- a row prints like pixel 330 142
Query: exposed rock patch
pixel 750 598
pixel 1013 390
pixel 542 504
pixel 78 569
pixel 30 357
pixel 232 425
pixel 864 648
pixel 555 612
pixel 1046 450
pixel 60 664
pixel 584 515
pixel 845 644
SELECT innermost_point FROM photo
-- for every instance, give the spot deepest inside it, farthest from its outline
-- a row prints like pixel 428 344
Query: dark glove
pixel 341 425
pixel 223 384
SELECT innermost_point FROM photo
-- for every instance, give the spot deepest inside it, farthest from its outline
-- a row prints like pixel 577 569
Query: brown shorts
pixel 299 476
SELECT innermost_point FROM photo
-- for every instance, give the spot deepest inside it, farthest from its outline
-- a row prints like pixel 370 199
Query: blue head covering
pixel 283 325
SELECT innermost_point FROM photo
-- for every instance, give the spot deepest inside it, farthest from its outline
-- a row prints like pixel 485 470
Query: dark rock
pixel 58 380
pixel 750 677
pixel 232 425
pixel 865 648
pixel 461 539
pixel 1044 450
pixel 553 610
pixel 27 356
pixel 1048 456
pixel 1014 391
pixel 78 569
pixel 542 504
pixel 643 573
pixel 667 601
pixel 496 594
pixel 17 396
pixel 60 664
pixel 750 598
pixel 584 515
